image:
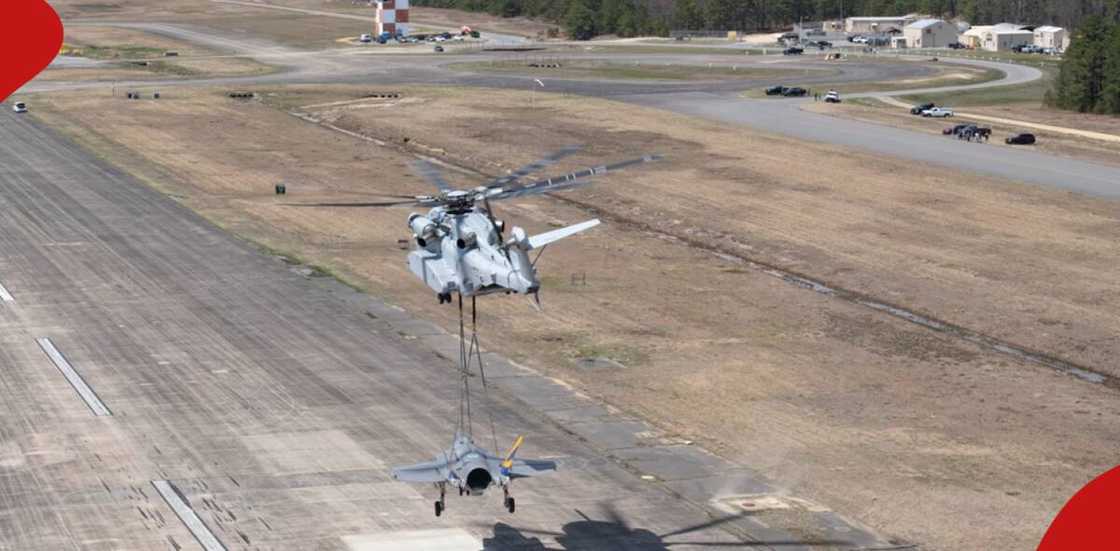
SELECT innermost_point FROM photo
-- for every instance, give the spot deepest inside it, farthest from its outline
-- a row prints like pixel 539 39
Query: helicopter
pixel 460 245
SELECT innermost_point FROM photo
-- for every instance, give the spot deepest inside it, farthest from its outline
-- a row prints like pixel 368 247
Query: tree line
pixel 583 19
pixel 1089 78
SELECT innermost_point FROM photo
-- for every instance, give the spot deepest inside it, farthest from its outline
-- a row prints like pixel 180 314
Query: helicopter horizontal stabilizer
pixel 542 239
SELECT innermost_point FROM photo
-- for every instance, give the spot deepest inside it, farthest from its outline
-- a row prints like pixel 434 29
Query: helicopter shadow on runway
pixel 616 533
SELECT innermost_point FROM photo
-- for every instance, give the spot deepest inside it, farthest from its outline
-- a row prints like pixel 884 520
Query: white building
pixel 1050 37
pixel 930 33
pixel 876 25
pixel 997 38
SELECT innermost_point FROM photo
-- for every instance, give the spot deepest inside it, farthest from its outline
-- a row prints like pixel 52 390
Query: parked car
pixel 365 38
pixel 775 90
pixel 19 107
pixel 1021 139
pixel 832 97
pixel 822 44
pixel 919 109
pixel 957 46
pixel 955 130
pixel 793 51
pixel 938 112
pixel 794 92
pixel 438 49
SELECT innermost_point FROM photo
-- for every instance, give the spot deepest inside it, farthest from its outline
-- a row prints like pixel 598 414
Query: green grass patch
pixel 629 71
pixel 1031 92
pixel 127 51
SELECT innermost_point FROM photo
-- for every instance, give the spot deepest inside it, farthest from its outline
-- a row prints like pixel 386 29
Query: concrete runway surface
pixel 164 385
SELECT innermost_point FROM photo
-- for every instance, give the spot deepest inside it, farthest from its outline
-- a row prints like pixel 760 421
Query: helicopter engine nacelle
pixel 467 241
pixel 423 228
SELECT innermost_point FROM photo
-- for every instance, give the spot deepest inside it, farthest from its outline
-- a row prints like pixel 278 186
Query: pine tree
pixel 687 15
pixel 1110 93
pixel 580 20
pixel 1081 76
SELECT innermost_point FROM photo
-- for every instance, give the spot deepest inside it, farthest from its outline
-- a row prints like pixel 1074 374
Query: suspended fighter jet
pixel 473 470
pixel 460 247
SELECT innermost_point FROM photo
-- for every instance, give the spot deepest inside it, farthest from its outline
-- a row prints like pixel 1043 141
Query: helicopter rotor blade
pixel 535 166
pixel 569 180
pixel 430 172
pixel 373 204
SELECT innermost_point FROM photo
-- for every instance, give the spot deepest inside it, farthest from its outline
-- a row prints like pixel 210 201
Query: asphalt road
pixel 270 404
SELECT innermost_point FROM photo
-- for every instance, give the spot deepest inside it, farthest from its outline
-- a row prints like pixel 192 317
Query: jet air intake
pixel 478 480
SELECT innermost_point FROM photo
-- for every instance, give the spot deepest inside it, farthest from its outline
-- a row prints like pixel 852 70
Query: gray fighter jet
pixel 473 470
pixel 460 247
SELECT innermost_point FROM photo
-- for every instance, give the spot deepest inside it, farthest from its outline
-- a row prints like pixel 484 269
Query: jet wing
pixel 432 471
pixel 524 468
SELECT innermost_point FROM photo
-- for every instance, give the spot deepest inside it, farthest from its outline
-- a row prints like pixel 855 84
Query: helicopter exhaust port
pixel 467 241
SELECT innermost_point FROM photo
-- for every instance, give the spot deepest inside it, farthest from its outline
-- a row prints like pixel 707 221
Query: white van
pixel 19 107
pixel 365 38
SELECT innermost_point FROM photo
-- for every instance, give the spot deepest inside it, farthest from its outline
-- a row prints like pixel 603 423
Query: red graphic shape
pixel 30 37
pixel 1089 521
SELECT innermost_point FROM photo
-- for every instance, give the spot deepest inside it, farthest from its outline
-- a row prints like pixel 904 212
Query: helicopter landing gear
pixel 444 298
pixel 509 503
pixel 441 505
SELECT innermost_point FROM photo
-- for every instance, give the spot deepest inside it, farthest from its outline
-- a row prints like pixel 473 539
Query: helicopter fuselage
pixel 462 252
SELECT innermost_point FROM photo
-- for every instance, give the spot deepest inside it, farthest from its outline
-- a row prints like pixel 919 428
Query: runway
pixel 233 401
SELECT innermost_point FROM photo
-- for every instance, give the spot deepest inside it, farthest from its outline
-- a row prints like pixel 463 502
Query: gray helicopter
pixel 473 470
pixel 460 247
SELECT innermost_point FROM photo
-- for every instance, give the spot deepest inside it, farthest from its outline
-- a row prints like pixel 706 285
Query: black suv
pixel 1021 139
pixel 794 92
pixel 793 51
pixel 775 90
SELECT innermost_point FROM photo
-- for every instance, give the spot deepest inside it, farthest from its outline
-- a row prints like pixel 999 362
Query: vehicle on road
pixel 922 108
pixel 365 38
pixel 19 107
pixel 957 46
pixel 775 90
pixel 438 49
pixel 822 44
pixel 955 130
pixel 794 92
pixel 1021 139
pixel 793 51
pixel 832 97
pixel 938 112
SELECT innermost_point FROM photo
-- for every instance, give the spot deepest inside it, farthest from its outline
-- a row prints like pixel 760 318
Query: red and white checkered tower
pixel 392 17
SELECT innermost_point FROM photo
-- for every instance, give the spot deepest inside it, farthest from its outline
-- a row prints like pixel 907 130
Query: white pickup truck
pixel 938 112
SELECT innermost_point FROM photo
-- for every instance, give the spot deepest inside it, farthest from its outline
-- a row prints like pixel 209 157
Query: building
pixel 930 33
pixel 876 25
pixel 997 38
pixel 1050 37
pixel 392 18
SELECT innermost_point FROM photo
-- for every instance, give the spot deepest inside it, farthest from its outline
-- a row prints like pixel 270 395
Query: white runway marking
pixel 190 519
pixel 75 379
pixel 5 295
pixel 454 539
